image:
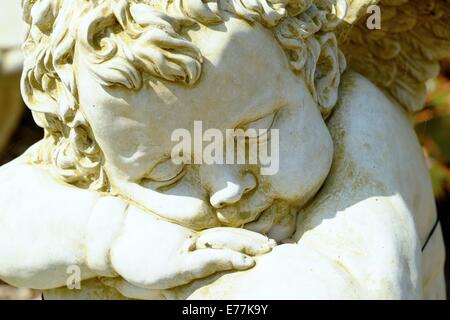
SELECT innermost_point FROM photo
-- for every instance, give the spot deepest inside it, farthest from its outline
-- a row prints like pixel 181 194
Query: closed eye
pixel 258 130
pixel 164 174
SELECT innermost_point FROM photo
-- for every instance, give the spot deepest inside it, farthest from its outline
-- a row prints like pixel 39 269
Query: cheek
pixel 127 146
pixel 305 157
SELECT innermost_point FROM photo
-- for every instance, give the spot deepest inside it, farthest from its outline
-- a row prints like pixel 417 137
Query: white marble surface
pixel 344 218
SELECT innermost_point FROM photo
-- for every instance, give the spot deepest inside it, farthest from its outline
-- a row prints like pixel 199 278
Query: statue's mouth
pixel 237 216
pixel 277 222
pixel 276 219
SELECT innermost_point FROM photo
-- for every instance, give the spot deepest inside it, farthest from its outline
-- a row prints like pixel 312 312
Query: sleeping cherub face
pixel 245 80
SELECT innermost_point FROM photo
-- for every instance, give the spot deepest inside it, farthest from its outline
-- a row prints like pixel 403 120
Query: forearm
pixel 46 227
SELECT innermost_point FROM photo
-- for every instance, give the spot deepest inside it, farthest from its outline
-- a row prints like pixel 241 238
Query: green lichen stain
pixel 244 215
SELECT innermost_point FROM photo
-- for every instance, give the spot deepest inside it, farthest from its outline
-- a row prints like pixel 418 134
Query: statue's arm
pixel 42 227
pixel 47 226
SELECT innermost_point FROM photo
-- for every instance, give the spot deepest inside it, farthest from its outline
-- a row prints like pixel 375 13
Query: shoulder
pixel 32 185
pixel 377 149
pixel 377 156
pixel 22 172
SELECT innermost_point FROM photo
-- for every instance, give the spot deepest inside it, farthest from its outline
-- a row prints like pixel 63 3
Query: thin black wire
pixel 431 234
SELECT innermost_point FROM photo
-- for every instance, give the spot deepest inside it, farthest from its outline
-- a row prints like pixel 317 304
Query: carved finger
pixel 241 240
pixel 205 262
pixel 130 291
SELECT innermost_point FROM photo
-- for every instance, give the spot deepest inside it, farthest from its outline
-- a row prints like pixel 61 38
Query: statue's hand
pixel 155 254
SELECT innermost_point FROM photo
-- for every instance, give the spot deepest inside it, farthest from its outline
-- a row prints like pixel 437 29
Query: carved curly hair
pixel 122 38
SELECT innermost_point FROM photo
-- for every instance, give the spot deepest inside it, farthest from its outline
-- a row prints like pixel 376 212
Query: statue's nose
pixel 233 191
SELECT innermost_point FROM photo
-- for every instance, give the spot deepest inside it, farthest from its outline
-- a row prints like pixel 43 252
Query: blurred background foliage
pixel 433 129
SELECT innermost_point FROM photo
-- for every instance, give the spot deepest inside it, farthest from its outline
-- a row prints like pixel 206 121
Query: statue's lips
pixel 277 222
pixel 234 216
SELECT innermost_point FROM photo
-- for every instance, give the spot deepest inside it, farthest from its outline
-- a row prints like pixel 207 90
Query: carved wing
pixel 405 52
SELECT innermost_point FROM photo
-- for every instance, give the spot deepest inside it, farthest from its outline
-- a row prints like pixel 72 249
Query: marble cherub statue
pixel 350 212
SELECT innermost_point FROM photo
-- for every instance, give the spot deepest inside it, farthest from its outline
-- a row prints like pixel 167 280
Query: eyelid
pixel 263 125
pixel 265 122
pixel 159 172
